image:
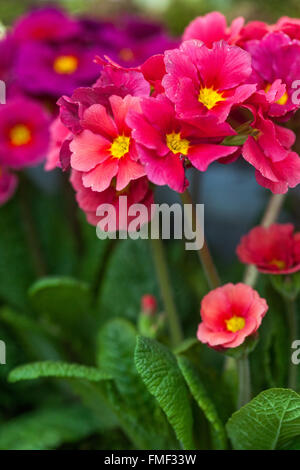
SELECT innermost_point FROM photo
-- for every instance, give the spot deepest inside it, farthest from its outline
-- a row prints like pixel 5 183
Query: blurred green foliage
pixel 175 13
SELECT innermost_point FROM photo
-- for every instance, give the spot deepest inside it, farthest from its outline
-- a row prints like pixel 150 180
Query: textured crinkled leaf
pixel 47 428
pixel 201 395
pixel 57 369
pixel 268 422
pixel 160 372
pixel 137 410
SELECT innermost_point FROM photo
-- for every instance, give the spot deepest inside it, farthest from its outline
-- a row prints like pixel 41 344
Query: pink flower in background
pixel 273 250
pixel 229 315
pixel 132 40
pixel 51 69
pixel 253 30
pixel 165 143
pixel 105 148
pixel 8 184
pixel 137 192
pixel 289 26
pixel 213 27
pixel 24 133
pixel 48 23
pixel 277 167
pixel 274 58
pixel 59 133
pixel 205 82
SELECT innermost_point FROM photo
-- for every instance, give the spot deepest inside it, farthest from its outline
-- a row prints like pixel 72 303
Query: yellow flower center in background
pixel 120 146
pixel 283 99
pixel 235 324
pixel 19 135
pixel 126 54
pixel 176 144
pixel 280 264
pixel 210 97
pixel 65 64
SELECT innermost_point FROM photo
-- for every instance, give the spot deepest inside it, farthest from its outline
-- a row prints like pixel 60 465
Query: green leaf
pixel 84 381
pixel 268 422
pixel 160 372
pixel 138 412
pixel 47 428
pixel 203 399
pixel 94 252
pixel 16 266
pixel 57 369
pixel 53 226
pixel 61 297
pixel 66 304
pixel 34 337
pixel 131 270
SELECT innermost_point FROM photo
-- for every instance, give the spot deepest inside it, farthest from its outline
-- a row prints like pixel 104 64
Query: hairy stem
pixel 166 291
pixel 243 367
pixel 271 214
pixel 209 267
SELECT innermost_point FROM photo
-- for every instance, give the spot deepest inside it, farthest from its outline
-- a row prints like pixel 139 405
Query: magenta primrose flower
pixel 276 58
pixel 48 23
pixel 24 133
pixel 204 82
pixel 59 69
pixel 137 192
pixel 166 144
pixel 105 149
pixel 269 151
pixel 213 27
pixel 224 93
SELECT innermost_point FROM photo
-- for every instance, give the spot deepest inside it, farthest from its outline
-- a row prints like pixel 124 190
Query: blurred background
pixel 226 217
pixel 175 13
pixel 234 203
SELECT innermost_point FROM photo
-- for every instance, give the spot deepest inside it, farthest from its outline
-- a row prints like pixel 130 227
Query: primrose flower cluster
pixel 46 54
pixel 226 92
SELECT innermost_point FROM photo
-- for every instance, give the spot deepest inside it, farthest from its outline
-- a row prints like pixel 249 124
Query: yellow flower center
pixel 176 144
pixel 210 97
pixel 120 146
pixel 283 99
pixel 235 324
pixel 19 135
pixel 126 54
pixel 65 64
pixel 280 264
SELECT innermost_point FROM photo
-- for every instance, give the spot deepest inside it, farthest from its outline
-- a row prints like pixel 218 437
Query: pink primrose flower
pixel 229 315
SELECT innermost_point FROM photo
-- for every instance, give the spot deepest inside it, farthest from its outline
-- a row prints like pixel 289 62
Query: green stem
pixel 205 257
pixel 243 367
pixel 270 215
pixel 30 231
pixel 166 290
pixel 293 328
